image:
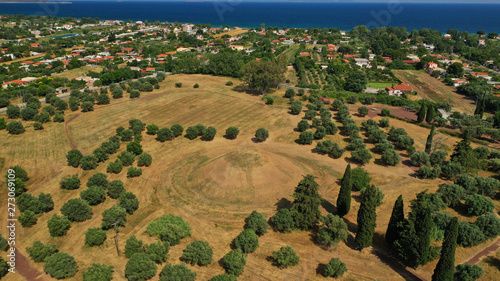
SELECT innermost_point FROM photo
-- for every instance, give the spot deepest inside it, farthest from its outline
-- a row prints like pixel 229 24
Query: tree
pixel 333 231
pixel 234 262
pixel 289 93
pixel 4 267
pixel 295 107
pixel 344 198
pixel 27 218
pixel 468 272
pixel 367 217
pixel 113 215
pixel 257 223
pixel 362 155
pixel 77 210
pixel 129 201
pixel 421 113
pixel 391 157
pixel 363 111
pixel 95 236
pixel 144 159
pixel 208 134
pixel 94 195
pixel 224 277
pixel 336 152
pixel 306 137
pixel 98 179
pixel 283 221
pixel 133 172
pixel 164 134
pixel 98 272
pixel 4 245
pixel 261 134
pixel 335 268
pixel 28 113
pixel 115 189
pixel 15 128
pixel 133 246
pixel 445 268
pixel 232 133
pixel 13 112
pixel 198 252
pixel 247 241
pixel 286 257
pixel 385 112
pixel 487 186
pixel 158 252
pixel 420 158
pixel 489 224
pixel 456 69
pixel 152 129
pixel 103 99
pixel 135 147
pixel 114 167
pixel 428 144
pixel 394 230
pixel 263 75
pixel 356 82
pixel 87 106
pixel 320 132
pixel 478 204
pixel 126 135
pixel 177 272
pixel 38 252
pixel 126 158
pixel 305 210
pixel 89 162
pixel 469 234
pixel 60 265
pixel 140 267
pixel 303 125
pixel 70 182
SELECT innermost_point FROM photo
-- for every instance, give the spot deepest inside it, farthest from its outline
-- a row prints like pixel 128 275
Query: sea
pixel 248 14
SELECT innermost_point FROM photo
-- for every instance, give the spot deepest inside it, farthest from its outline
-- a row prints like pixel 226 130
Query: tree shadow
pixel 329 207
pixel 283 203
pixel 356 197
pixel 246 89
pixel 254 140
pixel 353 228
pixel 320 270
pixel 396 266
pixel 493 261
pixel 379 161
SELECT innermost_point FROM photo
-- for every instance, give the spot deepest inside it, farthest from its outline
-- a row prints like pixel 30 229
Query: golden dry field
pixel 213 185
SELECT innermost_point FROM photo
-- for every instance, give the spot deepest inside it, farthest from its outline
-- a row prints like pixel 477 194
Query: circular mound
pixel 243 177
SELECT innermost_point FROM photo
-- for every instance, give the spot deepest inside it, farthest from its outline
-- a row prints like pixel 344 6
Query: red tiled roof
pixel 403 87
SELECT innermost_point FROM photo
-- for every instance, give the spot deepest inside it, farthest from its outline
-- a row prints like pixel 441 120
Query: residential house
pixel 398 90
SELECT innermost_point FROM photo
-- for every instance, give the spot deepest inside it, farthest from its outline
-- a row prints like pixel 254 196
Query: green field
pixel 380 85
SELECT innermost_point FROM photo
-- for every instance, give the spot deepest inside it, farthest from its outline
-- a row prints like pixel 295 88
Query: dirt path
pixel 25 269
pixel 490 249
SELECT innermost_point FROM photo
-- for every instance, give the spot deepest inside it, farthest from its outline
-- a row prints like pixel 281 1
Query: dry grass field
pixel 232 32
pixel 77 72
pixel 433 89
pixel 213 185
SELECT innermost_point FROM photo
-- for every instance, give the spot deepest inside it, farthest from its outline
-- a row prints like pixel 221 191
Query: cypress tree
pixel 421 217
pixel 397 218
pixel 305 210
pixel 367 217
pixel 344 198
pixel 431 114
pixel 446 266
pixel 428 144
pixel 421 113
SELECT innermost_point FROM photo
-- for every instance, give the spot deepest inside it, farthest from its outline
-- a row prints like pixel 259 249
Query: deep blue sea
pixel 344 15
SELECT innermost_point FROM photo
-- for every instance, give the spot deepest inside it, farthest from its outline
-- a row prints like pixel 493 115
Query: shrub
pixel 129 201
pixel 87 106
pixel 152 129
pixel 133 246
pixel 356 144
pixel 192 132
pixel 469 234
pixel 336 152
pixel 289 93
pixel 144 159
pixel 15 128
pixel 178 85
pixel 38 252
pixel 468 272
pixel 126 158
pixel 103 99
pixel 404 142
pixel 117 93
pixel 229 83
pixel 98 272
pixel 333 231
pixel 320 133
pixel 306 137
pixel 176 130
pixel 420 158
pixel 391 157
pixel 451 169
pixel 232 133
pixel 114 167
pixel 324 147
pixel 157 226
pixel 158 252
pixel 164 134
pixel 134 94
pixel 77 210
pixel 135 147
pixel 94 195
pixel 177 272
pixel 257 223
pixel 331 128
pixel 224 277
pixel 27 218
pixel 58 225
pixel 98 179
pixel 140 267
pixel 261 134
pixel 489 224
pixel 95 236
pixel 384 122
pixel 133 172
pixel 13 112
pixel 234 262
pixel 38 126
pixel 198 252
pixel 451 194
pixel 89 162
pixel 28 113
pixel 196 86
pixel 335 268
pixel 208 134
pixel 360 179
pixel 283 221
pixel 478 204
pixel 60 266
pixel 112 215
pixel 247 241
pixel 4 245
pixel 126 134
pixel 437 157
pixel 467 182
pixel 70 182
pixel 115 189
pixel 286 257
pixel 487 186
